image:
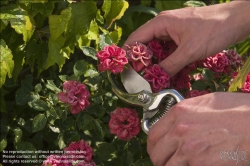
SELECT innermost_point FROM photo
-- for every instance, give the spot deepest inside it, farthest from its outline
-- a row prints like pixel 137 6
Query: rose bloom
pixel 234 58
pixel 75 95
pixel 157 78
pixel 218 63
pixel 162 49
pixel 181 80
pixel 124 122
pixel 112 58
pixel 83 163
pixel 140 56
pixel 80 151
pixel 194 93
pixel 246 86
pixel 198 76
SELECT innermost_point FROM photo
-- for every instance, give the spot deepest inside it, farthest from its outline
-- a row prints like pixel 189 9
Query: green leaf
pixel 6 62
pixel 93 33
pixel 24 94
pixel 168 5
pixel 91 73
pixel 143 9
pixel 89 51
pixel 56 54
pixel 18 134
pixel 61 143
pixel 194 4
pixel 33 1
pixel 3 144
pixel 127 158
pixel 19 20
pixel 38 88
pixel 116 35
pixel 243 46
pixel 37 52
pixel 105 40
pixel 143 162
pixel 98 128
pixel 2 100
pixel 240 79
pixel 80 67
pixel 208 74
pixel 114 10
pixel 71 136
pixel 51 85
pixel 39 105
pixel 83 119
pixel 99 17
pixel 38 122
pixel 200 85
pixel 68 124
pixel 3 24
pixel 105 151
pixel 83 40
pixel 82 14
pixel 58 23
pixel 25 146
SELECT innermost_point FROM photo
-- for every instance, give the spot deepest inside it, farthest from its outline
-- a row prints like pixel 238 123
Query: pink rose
pixel 80 148
pixel 124 122
pixel 75 95
pixel 181 80
pixel 198 76
pixel 157 78
pixel 162 49
pixel 112 58
pixel 140 56
pixel 52 160
pixel 235 60
pixel 218 63
pixel 194 93
pixel 246 86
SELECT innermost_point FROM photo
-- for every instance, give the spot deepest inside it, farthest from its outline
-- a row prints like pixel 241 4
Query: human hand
pixel 200 131
pixel 198 32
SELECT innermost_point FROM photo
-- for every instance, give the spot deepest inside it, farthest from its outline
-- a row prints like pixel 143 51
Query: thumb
pixel 176 61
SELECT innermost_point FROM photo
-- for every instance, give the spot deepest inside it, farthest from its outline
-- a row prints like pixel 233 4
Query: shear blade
pixel 133 82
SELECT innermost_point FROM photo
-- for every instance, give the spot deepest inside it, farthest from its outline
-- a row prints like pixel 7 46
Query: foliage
pixel 44 43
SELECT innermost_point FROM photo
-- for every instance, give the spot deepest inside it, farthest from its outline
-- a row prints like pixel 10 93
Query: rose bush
pixel 55 94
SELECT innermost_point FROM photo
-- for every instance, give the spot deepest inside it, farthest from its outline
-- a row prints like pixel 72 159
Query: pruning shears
pixel 139 93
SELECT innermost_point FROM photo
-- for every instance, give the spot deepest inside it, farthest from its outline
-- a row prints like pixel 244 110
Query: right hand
pixel 198 32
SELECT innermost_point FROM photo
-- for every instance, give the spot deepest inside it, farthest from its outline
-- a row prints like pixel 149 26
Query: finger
pixel 176 160
pixel 159 129
pixel 177 60
pixel 155 28
pixel 163 150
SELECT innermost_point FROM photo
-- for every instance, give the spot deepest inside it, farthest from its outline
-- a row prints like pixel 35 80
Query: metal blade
pixel 133 82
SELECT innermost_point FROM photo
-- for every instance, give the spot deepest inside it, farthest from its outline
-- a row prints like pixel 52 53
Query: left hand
pixel 197 132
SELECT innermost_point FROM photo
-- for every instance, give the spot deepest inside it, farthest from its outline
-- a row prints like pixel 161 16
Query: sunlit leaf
pixel 89 51
pixel 168 5
pixel 114 10
pixel 239 80
pixel 6 62
pixel 56 55
pixel 58 23
pixel 81 16
pixel 194 4
pixel 19 20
